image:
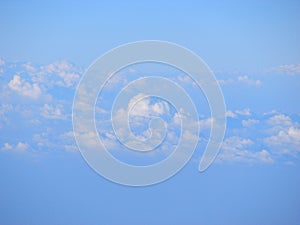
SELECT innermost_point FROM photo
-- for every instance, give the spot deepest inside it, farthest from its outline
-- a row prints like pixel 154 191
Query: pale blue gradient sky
pixel 43 178
pixel 246 35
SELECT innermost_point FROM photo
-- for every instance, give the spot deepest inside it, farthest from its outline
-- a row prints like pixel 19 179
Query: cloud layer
pixel 36 103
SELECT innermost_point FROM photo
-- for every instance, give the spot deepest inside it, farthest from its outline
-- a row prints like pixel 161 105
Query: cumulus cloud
pixel 140 110
pixel 285 135
pixel 249 122
pixel 235 113
pixel 236 149
pixel 140 105
pixel 25 88
pixel 277 136
pixel 52 112
pixel 205 124
pixel 230 114
pixel 280 120
pixel 65 70
pixel 19 147
pixel 61 73
pixel 243 112
pixel 29 67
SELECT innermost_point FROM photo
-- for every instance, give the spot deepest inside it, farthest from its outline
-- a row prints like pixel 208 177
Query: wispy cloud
pixel 247 80
pixel 288 69
pixel 239 80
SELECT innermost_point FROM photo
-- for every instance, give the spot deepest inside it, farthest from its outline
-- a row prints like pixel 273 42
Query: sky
pixel 253 49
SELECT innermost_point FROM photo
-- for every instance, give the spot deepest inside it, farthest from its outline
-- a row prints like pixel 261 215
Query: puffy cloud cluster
pixel 285 135
pixel 260 138
pixel 237 149
pixel 68 73
pixel 140 105
pixel 36 106
pixel 251 138
pixel 235 113
pixel 19 147
pixel 52 112
pixel 25 88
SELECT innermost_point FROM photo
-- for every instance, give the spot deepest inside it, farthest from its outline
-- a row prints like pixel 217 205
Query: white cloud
pixel 186 79
pixel 140 105
pixel 249 122
pixel 227 81
pixel 243 112
pixel 24 88
pixel 68 78
pixel 43 140
pixel 20 147
pixel 236 142
pixel 286 141
pixel 284 135
pixel 68 137
pixel 278 123
pixel 289 69
pixel 59 73
pixel 241 79
pixel 88 139
pixel 29 67
pixel 280 120
pixel 205 124
pixel 272 112
pixel 68 140
pixel 71 148
pixel 235 149
pixel 52 112
pixel 178 116
pixel 264 156
pixel 142 110
pixel 247 80
pixel 131 70
pixel 5 109
pixel 235 113
pixel 7 147
pixel 231 114
pixel 116 80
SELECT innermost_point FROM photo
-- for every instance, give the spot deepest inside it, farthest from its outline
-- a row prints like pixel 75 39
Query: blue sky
pixel 252 47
